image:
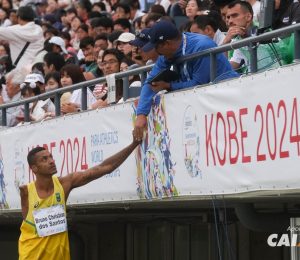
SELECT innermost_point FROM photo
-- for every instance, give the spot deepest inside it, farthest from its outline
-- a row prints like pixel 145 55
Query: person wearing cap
pixel 18 35
pixel 170 44
pixel 138 55
pixel 123 43
pixel 57 45
pixel 31 87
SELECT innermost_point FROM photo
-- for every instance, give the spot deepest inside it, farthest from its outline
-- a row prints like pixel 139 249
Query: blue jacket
pixel 198 69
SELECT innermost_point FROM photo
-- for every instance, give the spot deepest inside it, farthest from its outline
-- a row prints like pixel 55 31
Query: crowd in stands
pixel 50 44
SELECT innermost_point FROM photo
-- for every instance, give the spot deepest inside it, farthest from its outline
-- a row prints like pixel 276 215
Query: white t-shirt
pixel 76 97
pixel 219 37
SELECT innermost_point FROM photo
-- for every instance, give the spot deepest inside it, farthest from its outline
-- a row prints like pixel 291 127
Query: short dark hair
pixel 246 6
pixel 101 21
pixel 85 4
pixel 55 75
pixel 101 36
pixel 86 41
pixel 101 5
pixel 125 7
pixel 74 71
pixel 84 27
pixel 124 23
pixel 118 54
pixel 158 9
pixel 204 20
pixel 54 58
pixel 31 155
pixel 26 13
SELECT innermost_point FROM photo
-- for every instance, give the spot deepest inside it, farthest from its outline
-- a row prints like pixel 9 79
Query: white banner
pixel 234 137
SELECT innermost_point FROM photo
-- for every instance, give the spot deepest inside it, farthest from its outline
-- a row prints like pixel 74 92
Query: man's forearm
pixel 114 161
pixel 109 165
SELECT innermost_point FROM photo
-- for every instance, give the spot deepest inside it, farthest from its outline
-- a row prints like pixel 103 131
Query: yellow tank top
pixel 33 247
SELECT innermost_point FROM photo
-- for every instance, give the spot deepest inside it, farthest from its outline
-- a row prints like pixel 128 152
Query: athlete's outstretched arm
pixel 78 179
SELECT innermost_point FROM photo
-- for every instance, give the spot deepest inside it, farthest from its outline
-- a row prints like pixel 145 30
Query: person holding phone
pixel 170 44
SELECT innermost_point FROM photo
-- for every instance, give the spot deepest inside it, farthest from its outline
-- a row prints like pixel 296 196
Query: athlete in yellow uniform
pixel 44 234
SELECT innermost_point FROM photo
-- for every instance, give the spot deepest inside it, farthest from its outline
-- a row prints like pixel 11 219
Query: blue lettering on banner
pixel 98 140
pixel 106 138
pixel 97 156
pixel 115 173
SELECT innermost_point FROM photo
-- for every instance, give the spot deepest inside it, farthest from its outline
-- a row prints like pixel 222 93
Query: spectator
pixel 157 9
pixel 256 10
pixel 101 25
pixel 4 18
pixel 82 32
pixel 89 63
pixel 53 62
pixel 38 68
pixel 57 44
pixel 5 60
pixel 99 7
pixel 171 44
pixel 123 43
pixel 13 17
pixel 222 5
pixel 122 24
pixel 40 109
pixel 52 81
pixel 122 11
pixel 111 61
pixel 137 24
pixel 72 74
pixel 11 93
pixel 83 7
pixel 135 8
pixel 138 55
pixel 151 19
pixel 113 39
pixel 143 21
pixel 126 64
pixel 207 25
pixel 195 7
pixel 26 31
pixel 101 43
pixel 240 22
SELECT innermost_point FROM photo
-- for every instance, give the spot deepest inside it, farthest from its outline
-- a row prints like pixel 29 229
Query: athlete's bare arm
pixel 78 179
pixel 24 200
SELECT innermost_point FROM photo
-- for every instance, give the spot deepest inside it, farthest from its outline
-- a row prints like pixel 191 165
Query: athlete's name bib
pixel 50 221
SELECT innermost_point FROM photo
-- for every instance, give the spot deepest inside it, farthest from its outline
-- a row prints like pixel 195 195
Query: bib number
pixel 50 221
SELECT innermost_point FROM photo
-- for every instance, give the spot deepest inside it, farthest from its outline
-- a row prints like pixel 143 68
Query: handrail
pixel 142 70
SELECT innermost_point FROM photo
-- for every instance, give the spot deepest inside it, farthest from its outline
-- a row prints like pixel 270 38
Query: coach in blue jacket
pixel 170 44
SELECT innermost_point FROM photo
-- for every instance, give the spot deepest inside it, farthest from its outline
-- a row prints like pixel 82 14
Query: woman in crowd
pixel 71 74
pixel 52 81
pixel 196 7
pixel 40 109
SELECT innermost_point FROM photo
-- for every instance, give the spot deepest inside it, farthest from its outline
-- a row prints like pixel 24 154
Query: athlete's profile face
pixel 44 163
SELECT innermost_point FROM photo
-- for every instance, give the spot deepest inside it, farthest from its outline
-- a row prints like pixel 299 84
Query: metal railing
pixel 142 71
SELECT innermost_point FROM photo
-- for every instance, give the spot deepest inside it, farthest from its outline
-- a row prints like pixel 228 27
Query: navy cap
pixel 160 32
pixel 141 38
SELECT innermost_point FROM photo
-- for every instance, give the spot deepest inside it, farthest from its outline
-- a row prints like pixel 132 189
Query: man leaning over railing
pixel 171 44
